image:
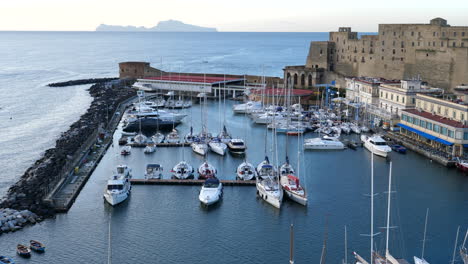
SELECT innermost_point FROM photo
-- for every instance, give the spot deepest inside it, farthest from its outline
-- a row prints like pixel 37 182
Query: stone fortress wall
pixel 437 52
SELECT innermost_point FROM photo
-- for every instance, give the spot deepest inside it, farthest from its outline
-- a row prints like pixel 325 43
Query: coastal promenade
pixel 62 197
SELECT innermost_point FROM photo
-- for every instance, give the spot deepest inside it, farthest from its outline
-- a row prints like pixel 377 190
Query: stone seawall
pixel 82 81
pixel 35 184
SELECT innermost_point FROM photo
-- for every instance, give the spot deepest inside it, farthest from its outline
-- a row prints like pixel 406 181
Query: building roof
pixel 193 79
pixel 436 118
pixel 283 92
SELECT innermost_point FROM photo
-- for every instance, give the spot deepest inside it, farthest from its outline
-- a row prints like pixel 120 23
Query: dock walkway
pixel 188 182
pixel 65 192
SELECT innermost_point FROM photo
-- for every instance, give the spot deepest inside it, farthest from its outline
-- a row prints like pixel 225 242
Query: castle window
pixel 412 34
pixel 412 44
pixel 443 34
pixel 370 58
pixel 463 34
pixel 403 100
pixel 372 43
pixel 429 43
pixel 362 59
pixel 321 51
pixel 442 44
pixel 383 43
pixel 382 57
pixel 419 34
pixel 463 44
pixel 362 50
pixel 394 43
pixel 454 34
pixel 393 51
pixel 383 32
pixel 337 39
pixel 391 97
pixel 433 34
pixel 371 51
pixel 402 44
pixel 394 33
pixel 397 98
pixel 401 59
pixel 454 44
pixel 427 54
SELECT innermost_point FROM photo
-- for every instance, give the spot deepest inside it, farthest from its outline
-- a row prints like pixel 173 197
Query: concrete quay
pixel 65 193
pixel 409 144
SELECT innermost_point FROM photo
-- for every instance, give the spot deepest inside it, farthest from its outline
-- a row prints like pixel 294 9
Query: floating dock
pixel 142 145
pixel 189 182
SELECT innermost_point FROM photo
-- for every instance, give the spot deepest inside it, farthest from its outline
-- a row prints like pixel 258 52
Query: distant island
pixel 162 26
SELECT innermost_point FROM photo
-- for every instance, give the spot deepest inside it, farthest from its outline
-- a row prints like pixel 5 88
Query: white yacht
pixel 217 146
pixel 206 171
pixel 376 144
pixel 355 128
pixel 158 138
pixel 199 147
pixel 420 261
pixel 224 136
pixel 293 189
pixel 127 150
pixel 324 143
pixel 264 168
pixel 237 145
pixel 140 139
pixel 153 171
pixel 244 108
pixel 211 191
pixel 268 117
pixel 150 148
pixel 182 170
pixel 173 137
pixel 246 171
pixel 119 186
pixel 268 188
pixel 286 168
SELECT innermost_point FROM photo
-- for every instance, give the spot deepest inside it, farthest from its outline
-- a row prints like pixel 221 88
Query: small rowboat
pixel 37 246
pixel 23 251
pixel 6 260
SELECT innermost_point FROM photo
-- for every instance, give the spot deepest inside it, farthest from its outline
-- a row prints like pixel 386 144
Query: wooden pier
pixel 188 182
pixel 142 145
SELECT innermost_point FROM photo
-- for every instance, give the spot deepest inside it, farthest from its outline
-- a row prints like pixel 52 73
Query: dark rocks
pixel 38 180
pixel 82 81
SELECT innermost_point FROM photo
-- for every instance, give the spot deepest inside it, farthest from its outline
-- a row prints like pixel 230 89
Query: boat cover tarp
pixel 431 137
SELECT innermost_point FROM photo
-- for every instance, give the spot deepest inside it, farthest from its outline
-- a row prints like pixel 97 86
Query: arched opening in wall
pixel 295 79
pixel 302 80
pixel 316 66
pixel 309 80
pixel 288 77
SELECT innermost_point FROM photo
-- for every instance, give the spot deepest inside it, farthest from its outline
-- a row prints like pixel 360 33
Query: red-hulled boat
pixel 462 165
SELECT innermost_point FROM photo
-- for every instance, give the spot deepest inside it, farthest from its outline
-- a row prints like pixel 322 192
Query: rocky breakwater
pixel 38 180
pixel 12 220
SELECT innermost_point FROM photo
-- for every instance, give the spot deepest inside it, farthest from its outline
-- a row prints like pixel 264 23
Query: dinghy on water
pixel 6 260
pixel 37 246
pixel 23 251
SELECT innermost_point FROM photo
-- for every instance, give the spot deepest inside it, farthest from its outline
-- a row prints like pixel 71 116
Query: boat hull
pixel 377 152
pixel 151 123
pixel 218 148
pixel 116 199
pixel 269 197
pixel 295 197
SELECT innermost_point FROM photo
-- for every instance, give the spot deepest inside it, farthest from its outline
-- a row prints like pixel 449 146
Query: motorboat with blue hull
pixel 151 124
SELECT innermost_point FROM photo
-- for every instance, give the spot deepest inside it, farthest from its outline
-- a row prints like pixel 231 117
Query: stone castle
pixel 436 52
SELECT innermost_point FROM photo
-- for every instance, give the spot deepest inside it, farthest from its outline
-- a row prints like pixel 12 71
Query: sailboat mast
pixel 455 247
pixel 324 248
pixel 388 210
pixel 424 237
pixel 345 245
pixel 372 211
pixel 291 244
pixel 464 240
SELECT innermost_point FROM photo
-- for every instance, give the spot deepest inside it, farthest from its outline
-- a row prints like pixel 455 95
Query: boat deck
pixel 188 182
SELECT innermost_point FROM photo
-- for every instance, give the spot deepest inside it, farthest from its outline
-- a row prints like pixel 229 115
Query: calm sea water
pixel 166 223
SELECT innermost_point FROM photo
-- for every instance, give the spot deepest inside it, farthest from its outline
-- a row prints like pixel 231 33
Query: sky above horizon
pixel 239 15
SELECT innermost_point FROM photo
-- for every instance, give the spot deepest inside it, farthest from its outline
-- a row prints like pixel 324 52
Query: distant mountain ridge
pixel 162 26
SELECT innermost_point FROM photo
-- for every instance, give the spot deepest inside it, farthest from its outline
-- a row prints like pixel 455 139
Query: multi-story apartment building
pixel 441 122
